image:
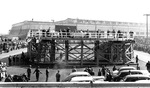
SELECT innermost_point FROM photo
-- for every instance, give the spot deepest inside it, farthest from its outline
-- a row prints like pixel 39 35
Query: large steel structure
pixel 80 47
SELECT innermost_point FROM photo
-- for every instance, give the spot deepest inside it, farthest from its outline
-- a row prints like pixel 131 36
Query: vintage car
pixel 82 79
pixel 134 78
pixel 124 73
pixel 116 72
pixel 75 74
pixel 94 79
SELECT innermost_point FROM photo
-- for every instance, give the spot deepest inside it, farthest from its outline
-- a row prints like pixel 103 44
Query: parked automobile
pixel 94 79
pixel 116 72
pixel 134 78
pixel 82 79
pixel 124 73
pixel 75 74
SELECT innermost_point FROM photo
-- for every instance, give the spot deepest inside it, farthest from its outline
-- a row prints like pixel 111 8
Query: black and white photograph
pixel 74 44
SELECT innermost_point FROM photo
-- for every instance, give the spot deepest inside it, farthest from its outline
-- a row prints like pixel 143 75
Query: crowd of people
pixel 3 70
pixel 37 73
pixel 18 59
pixel 142 44
pixel 7 45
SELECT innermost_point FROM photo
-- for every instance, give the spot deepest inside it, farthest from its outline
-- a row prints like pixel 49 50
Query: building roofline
pixel 28 22
pixel 80 21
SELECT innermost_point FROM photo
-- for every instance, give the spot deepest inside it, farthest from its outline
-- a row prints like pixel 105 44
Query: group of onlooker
pixel 6 46
pixel 38 72
pixel 18 59
pixel 3 70
pixel 27 77
pixel 142 44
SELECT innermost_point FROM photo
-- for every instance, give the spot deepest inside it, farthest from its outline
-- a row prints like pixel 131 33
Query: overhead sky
pixel 14 11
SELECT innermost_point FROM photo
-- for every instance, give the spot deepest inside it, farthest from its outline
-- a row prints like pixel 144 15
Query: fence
pixel 94 35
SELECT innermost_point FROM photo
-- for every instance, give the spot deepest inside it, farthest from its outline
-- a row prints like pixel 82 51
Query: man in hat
pixel 47 73
pixel 29 72
pixel 58 76
pixel 38 72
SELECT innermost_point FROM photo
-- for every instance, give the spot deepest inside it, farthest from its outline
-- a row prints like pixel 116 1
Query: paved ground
pixel 64 72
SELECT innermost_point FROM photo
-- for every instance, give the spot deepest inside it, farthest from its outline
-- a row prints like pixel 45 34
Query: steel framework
pixel 80 50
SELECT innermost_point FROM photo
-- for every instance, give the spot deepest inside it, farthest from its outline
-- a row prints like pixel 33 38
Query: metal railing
pixel 93 35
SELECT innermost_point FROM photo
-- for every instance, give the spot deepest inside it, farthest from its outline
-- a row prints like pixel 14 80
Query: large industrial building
pixel 21 29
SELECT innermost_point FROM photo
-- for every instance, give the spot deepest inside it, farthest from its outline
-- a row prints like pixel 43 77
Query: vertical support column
pixel 132 52
pixel 81 52
pixel 96 59
pixel 30 52
pixel 39 52
pixel 66 50
pixel 112 54
pixel 52 56
pixel 123 52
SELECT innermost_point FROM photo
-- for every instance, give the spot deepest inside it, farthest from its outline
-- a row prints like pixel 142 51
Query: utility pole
pixel 77 24
pixel 146 25
pixel 95 25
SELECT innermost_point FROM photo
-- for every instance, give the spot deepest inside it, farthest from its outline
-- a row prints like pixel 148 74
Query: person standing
pixel 119 34
pixel 47 74
pixel 99 72
pixel 68 31
pixel 38 72
pixel 137 59
pixel 74 69
pixel 29 72
pixel 108 33
pixel 58 76
pixel 92 72
pixel 103 70
pixel 61 55
pixel 85 70
pixel 148 65
pixel 109 76
pixel 9 60
pixel 14 60
pixel 89 69
pixel 113 33
pixel 114 68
